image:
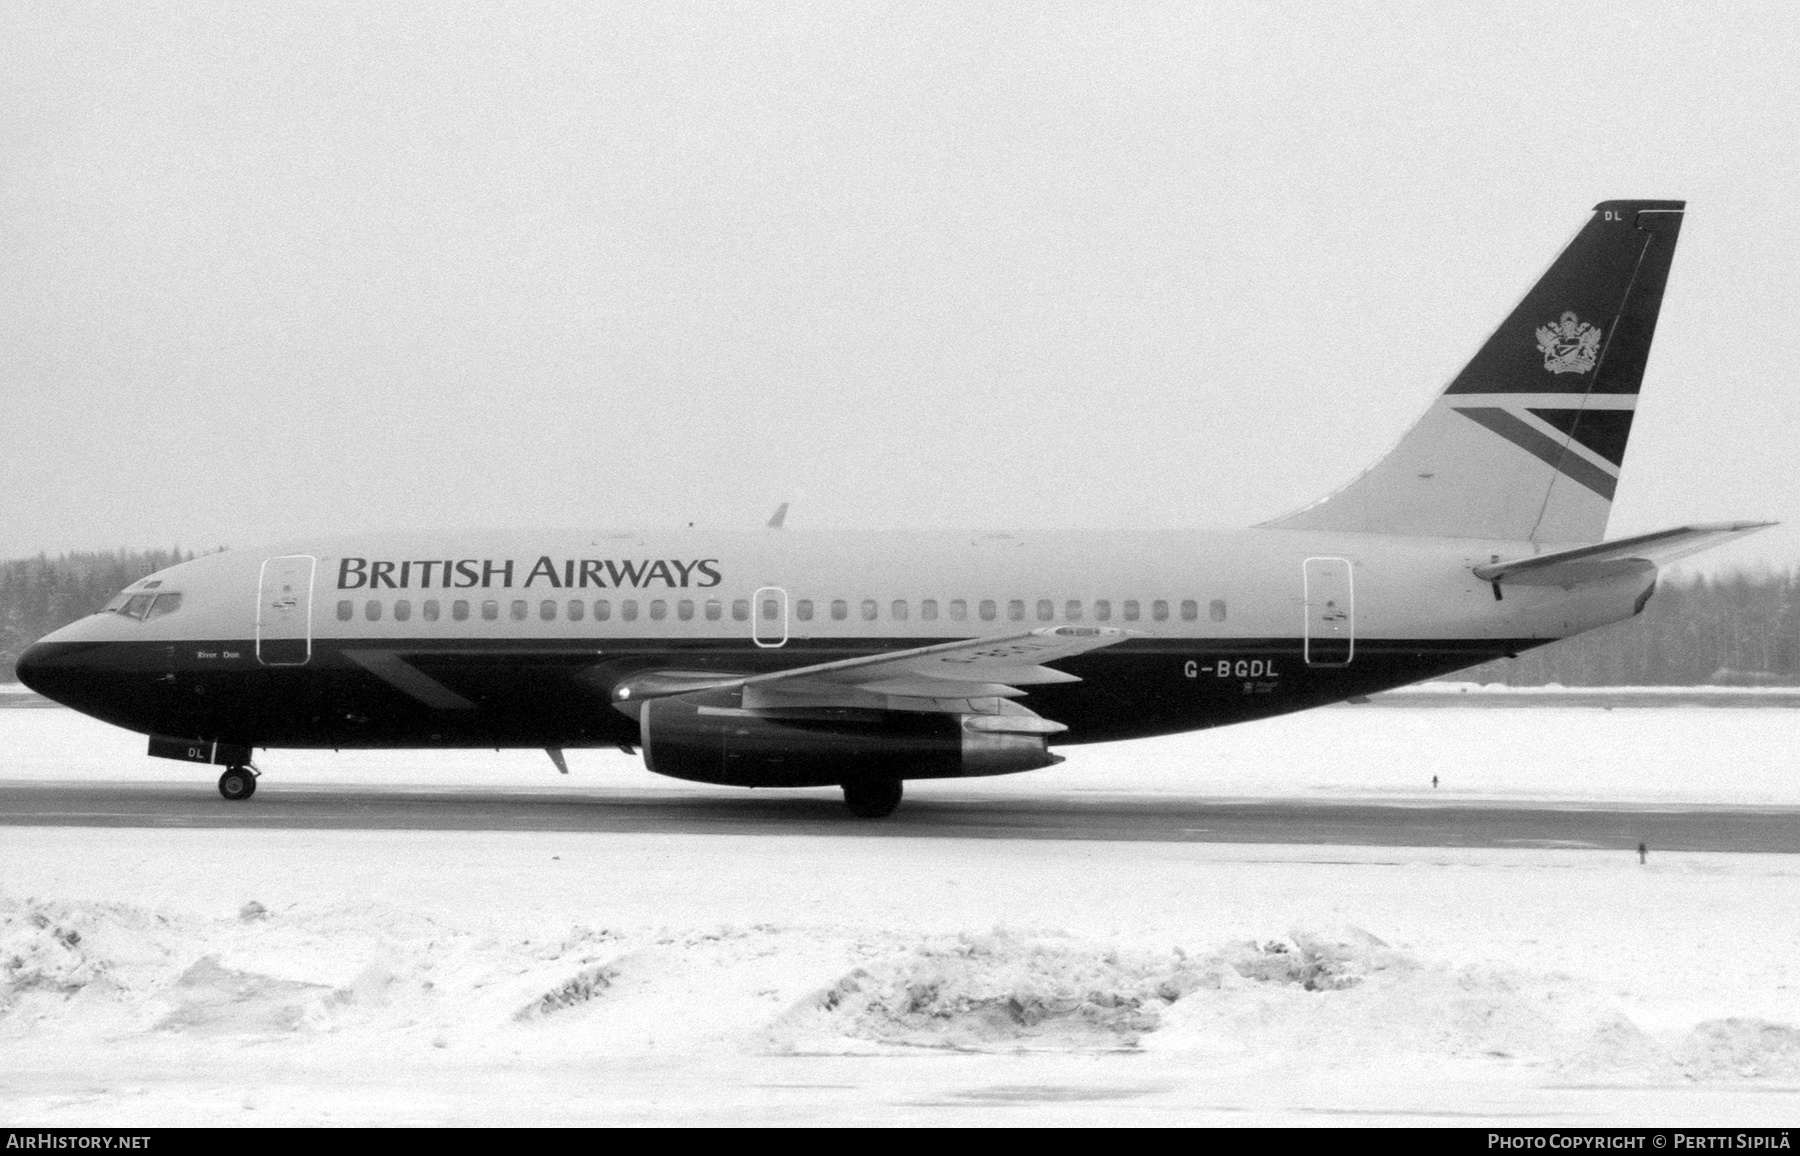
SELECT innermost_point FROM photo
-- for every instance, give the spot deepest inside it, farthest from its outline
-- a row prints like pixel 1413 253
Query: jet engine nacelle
pixel 819 747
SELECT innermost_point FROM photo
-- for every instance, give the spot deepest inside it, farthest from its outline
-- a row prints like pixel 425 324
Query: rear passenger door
pixel 1330 612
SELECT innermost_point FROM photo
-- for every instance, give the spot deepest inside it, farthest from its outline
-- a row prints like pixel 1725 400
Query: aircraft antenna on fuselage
pixel 778 517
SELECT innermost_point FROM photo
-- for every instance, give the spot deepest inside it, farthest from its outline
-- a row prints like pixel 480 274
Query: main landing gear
pixel 873 798
pixel 238 782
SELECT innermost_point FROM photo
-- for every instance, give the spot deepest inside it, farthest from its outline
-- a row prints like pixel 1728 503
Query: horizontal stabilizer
pixel 1606 559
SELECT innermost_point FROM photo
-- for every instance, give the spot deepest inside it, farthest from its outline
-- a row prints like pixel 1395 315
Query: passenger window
pixel 459 610
pixel 602 610
pixel 988 609
pixel 928 610
pixel 577 610
pixel 1072 610
pixel 840 610
pixel 136 606
pixel 628 610
pixel 346 610
pixel 959 610
pixel 164 604
pixel 803 610
pixel 659 609
pixel 372 610
pixel 431 610
pixel 1216 611
pixel 519 610
pixel 1015 610
pixel 740 609
pixel 490 610
pixel 869 610
pixel 1102 610
pixel 547 610
pixel 771 609
pixel 1159 610
pixel 685 609
pixel 899 609
pixel 1131 610
pixel 1190 610
pixel 713 609
pixel 403 610
pixel 1046 610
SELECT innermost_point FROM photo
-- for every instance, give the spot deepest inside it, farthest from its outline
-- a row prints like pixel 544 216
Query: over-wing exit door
pixel 1330 612
pixel 769 617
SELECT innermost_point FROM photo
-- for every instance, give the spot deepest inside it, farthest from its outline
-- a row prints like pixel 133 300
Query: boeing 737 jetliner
pixel 786 659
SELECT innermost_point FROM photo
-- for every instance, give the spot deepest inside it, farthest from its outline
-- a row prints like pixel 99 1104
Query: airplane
pixel 859 660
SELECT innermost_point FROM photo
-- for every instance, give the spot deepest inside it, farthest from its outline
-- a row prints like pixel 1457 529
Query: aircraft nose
pixel 57 670
pixel 93 675
pixel 30 667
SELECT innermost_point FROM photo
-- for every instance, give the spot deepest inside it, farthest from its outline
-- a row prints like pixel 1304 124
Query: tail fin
pixel 1528 440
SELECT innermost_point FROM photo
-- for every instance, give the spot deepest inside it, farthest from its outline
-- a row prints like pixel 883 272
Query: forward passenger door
pixel 284 611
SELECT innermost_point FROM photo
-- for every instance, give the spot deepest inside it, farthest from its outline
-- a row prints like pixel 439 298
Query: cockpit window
pixel 145 604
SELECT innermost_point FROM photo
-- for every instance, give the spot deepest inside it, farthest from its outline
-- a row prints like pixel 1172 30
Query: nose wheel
pixel 238 782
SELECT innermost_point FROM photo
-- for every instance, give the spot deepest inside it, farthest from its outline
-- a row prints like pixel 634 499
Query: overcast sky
pixel 270 271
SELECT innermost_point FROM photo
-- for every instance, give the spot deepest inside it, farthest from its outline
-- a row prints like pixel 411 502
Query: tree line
pixel 1738 629
pixel 1741 629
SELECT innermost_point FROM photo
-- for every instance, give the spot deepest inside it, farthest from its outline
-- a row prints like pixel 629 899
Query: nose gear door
pixel 284 611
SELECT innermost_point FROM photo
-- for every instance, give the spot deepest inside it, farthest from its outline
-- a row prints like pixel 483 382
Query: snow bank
pixel 41 953
pixel 524 977
pixel 1005 990
pixel 1748 1048
pixel 1001 991
pixel 174 990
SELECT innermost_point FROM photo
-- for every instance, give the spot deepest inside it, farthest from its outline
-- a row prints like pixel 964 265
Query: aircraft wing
pixel 1606 559
pixel 1009 658
pixel 970 675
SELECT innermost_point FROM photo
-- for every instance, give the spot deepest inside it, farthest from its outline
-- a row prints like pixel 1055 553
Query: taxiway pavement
pixel 1180 819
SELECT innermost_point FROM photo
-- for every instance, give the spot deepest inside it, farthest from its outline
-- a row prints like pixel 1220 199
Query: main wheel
pixel 873 798
pixel 237 783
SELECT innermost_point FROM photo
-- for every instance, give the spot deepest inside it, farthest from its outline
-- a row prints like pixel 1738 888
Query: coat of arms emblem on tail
pixel 1569 345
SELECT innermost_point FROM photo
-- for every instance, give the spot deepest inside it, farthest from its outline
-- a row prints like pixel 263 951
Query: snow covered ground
pixel 285 976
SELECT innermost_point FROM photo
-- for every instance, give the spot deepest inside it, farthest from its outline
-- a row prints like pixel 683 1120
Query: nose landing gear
pixel 238 782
